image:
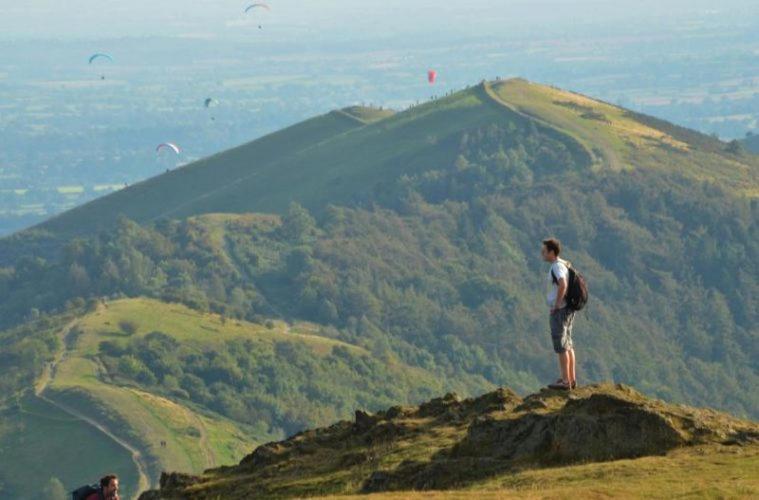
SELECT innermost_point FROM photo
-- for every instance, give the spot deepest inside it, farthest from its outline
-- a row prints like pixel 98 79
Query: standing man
pixel 561 317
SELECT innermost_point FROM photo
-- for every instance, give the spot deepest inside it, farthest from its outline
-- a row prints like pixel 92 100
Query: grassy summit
pixel 622 139
pixel 606 439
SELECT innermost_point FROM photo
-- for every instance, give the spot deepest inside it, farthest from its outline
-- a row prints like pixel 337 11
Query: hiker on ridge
pixel 562 313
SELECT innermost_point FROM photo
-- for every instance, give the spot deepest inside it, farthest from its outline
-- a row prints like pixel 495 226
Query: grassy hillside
pixel 70 404
pixel 621 139
pixel 340 157
pixel 158 422
pixel 444 276
pixel 193 439
pixel 366 114
pixel 175 193
pixel 600 440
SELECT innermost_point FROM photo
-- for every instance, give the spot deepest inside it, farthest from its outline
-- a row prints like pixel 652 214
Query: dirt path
pixel 47 376
pixel 210 455
pixel 143 482
pixel 49 371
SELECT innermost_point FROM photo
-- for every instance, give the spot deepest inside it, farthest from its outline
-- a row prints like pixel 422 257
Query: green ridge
pixel 345 156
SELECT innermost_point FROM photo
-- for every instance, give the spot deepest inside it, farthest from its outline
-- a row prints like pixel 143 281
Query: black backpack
pixel 577 289
pixel 83 492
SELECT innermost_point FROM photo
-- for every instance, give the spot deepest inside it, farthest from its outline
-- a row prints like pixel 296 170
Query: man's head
pixel 550 250
pixel 110 486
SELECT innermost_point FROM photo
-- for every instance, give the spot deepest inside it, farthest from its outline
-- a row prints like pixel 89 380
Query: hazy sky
pixel 105 18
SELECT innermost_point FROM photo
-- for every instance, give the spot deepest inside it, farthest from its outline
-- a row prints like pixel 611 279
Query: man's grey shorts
pixel 561 329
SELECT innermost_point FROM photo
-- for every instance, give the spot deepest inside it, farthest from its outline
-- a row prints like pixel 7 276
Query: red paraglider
pixel 432 76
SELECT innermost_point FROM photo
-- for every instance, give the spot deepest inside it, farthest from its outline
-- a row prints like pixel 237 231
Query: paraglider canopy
pixel 168 145
pixel 431 76
pixel 257 5
pixel 94 57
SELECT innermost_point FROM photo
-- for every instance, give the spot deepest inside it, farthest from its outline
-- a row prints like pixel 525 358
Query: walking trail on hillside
pixel 47 376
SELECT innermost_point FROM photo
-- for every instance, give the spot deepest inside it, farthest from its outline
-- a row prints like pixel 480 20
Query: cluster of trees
pixel 278 388
pixel 442 270
pixel 24 351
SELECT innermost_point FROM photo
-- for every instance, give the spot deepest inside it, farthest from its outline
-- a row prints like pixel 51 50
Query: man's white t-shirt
pixel 559 269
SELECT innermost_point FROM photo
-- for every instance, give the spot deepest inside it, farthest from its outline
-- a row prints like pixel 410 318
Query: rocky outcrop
pixel 600 427
pixel 449 442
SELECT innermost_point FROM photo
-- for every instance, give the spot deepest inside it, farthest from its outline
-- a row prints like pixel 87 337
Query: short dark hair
pixel 553 245
pixel 105 481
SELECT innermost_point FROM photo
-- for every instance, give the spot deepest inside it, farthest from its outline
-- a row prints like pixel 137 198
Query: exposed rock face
pixel 454 442
pixel 176 480
pixel 601 427
pixel 267 454
pixel 363 420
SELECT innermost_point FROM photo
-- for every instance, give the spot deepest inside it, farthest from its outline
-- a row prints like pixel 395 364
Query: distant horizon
pixel 92 19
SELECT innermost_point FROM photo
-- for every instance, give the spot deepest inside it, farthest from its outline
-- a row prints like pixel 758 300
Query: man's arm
pixel 562 284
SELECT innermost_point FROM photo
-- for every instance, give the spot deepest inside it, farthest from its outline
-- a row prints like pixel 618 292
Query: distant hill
pixel 598 441
pixel 347 156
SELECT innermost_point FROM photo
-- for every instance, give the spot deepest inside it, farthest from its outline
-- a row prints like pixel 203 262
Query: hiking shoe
pixel 574 384
pixel 560 385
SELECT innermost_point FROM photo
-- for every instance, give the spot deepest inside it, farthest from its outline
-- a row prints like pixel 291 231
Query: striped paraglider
pixel 168 146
